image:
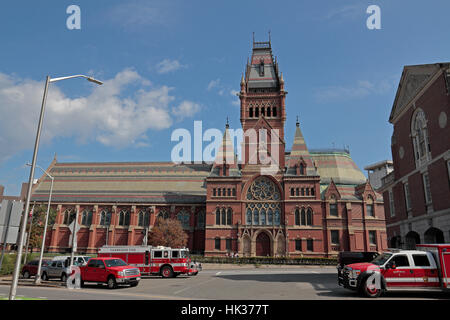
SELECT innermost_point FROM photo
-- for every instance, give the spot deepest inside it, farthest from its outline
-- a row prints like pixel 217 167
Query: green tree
pixel 37 229
pixel 168 233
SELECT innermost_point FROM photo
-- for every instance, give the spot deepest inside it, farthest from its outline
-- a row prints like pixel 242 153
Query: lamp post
pixel 13 290
pixel 37 279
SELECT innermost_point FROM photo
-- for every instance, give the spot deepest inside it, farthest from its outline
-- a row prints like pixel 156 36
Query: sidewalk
pixel 6 280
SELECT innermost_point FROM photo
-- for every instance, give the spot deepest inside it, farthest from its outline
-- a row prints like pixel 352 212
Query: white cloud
pixel 168 65
pixel 361 89
pixel 106 115
pixel 214 84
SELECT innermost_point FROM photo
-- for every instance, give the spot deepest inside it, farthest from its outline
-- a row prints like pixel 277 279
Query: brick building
pixel 272 202
pixel 417 193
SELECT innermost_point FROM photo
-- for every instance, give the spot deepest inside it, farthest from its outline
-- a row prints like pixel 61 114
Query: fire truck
pixel 163 261
pixel 426 268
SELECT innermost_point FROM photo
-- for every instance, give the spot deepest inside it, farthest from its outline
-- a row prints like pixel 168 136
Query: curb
pixel 31 283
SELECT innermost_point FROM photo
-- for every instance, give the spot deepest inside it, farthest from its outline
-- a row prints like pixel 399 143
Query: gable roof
pixel 414 78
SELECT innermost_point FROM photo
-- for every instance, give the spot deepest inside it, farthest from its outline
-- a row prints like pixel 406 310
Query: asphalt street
pixel 300 283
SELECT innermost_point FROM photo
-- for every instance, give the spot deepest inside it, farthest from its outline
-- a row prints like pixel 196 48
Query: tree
pixel 167 233
pixel 37 229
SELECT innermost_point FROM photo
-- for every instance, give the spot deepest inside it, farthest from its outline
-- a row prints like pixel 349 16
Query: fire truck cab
pixel 163 261
pixel 426 268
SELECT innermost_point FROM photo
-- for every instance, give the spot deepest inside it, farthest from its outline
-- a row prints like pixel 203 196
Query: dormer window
pixel 261 68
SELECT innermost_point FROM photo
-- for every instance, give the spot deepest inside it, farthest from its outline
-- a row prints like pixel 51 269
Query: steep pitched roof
pixel 262 71
pixel 225 155
pixel 299 153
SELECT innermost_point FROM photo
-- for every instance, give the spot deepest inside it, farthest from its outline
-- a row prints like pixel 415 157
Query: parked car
pixel 60 267
pixel 30 269
pixel 349 257
pixel 112 271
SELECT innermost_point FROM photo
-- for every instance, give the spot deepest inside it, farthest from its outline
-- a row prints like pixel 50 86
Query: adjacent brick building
pixel 417 193
pixel 273 202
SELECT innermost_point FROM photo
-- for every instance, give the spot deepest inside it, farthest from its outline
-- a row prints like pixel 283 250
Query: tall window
pixel 309 217
pixel 263 203
pixel 420 138
pixel 309 245
pixel 298 244
pixel 373 237
pixel 426 187
pixel 333 209
pixel 69 216
pixel 86 218
pixel 105 218
pixel 224 216
pixel 144 218
pixel 228 244
pixel 303 217
pixel 334 236
pixel 297 217
pixel 217 243
pixel 370 207
pixel 124 218
pixel 391 203
pixel 201 219
pixel 183 216
pixel 407 196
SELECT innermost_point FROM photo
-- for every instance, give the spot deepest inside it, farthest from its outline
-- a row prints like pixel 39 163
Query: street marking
pixel 218 273
pixel 187 288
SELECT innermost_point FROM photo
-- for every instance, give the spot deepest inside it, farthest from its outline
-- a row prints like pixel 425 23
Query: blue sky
pixel 168 63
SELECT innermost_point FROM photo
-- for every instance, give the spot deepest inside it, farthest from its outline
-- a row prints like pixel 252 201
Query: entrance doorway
pixel 262 245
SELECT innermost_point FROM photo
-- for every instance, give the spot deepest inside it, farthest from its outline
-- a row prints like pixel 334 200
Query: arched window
pixel 229 216
pixel 201 219
pixel 124 218
pixel 369 207
pixel 309 217
pixel 223 216
pixel 105 218
pixel 218 216
pixel 69 215
pixel 183 216
pixel 86 217
pixel 303 217
pixel 419 136
pixel 163 214
pixel 144 218
pixel 297 217
pixel 263 203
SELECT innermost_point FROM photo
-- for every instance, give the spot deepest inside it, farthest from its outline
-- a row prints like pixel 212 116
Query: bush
pixel 9 261
pixel 266 260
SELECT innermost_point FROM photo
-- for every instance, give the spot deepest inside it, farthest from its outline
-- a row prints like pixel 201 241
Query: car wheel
pixel 167 272
pixel 44 276
pixel 82 283
pixel 112 284
pixel 63 277
pixel 26 275
pixel 370 290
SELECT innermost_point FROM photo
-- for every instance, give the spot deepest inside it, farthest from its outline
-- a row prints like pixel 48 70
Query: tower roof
pixel 299 152
pixel 262 70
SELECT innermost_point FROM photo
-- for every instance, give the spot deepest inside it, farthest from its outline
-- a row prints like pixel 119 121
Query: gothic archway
pixel 434 235
pixel 411 239
pixel 263 245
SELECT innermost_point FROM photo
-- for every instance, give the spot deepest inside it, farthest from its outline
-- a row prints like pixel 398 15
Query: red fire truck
pixel 164 261
pixel 426 268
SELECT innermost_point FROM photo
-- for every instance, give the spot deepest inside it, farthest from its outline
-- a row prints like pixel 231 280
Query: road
pixel 299 283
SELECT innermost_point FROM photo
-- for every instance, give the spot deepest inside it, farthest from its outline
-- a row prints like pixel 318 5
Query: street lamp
pixel 37 279
pixel 13 290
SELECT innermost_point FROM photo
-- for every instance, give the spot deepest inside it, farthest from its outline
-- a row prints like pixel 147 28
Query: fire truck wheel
pixel 167 272
pixel 369 290
pixel 112 284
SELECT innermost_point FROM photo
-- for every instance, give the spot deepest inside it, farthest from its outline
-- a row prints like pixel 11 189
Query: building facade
pixel 417 193
pixel 377 171
pixel 273 202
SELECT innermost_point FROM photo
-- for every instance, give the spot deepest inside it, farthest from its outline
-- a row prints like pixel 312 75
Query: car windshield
pixel 184 253
pixel 381 259
pixel 115 263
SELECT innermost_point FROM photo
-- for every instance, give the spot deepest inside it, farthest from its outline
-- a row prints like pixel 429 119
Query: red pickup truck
pixel 112 271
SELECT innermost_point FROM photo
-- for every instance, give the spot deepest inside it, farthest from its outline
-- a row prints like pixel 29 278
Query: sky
pixel 168 63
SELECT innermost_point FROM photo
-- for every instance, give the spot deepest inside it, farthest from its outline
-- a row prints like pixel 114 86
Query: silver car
pixel 59 267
